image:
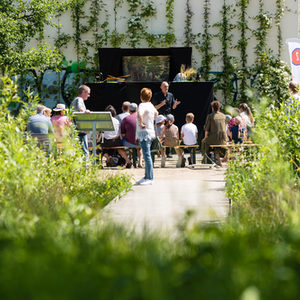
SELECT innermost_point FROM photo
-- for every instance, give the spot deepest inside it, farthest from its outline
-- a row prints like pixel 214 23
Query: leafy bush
pixel 264 184
pixel 206 263
pixel 57 188
pixel 272 78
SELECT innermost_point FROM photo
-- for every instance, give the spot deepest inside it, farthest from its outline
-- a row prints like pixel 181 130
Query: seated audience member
pixel 125 111
pixel 39 125
pixel 228 118
pixel 47 112
pixel 236 131
pixel 170 138
pixel 112 139
pixel 242 124
pixel 215 133
pixel 159 125
pixel 246 114
pixel 40 122
pixel 189 133
pixel 128 131
pixel 60 122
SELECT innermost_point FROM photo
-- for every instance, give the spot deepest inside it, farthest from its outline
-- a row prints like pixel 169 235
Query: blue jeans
pixel 145 145
pixel 85 147
pixel 129 145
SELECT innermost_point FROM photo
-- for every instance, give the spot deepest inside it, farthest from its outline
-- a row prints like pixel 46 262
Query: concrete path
pixel 163 205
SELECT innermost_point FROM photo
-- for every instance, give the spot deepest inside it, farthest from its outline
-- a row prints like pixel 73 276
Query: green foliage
pixel 264 21
pixel 21 21
pixel 140 14
pixel 225 36
pixel 278 16
pixel 188 35
pixel 206 263
pixel 59 188
pixel 272 77
pixel 205 45
pixel 243 27
pixel 264 184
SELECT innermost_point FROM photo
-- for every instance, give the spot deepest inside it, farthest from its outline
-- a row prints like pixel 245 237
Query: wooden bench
pixel 134 152
pixel 192 148
pixel 231 146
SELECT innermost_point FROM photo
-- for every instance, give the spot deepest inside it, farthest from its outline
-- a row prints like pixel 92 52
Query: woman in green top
pixel 215 132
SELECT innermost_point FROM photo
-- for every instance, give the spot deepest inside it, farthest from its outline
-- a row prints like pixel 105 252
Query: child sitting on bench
pixel 189 134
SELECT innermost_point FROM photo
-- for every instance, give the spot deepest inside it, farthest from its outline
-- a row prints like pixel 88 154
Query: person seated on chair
pixel 60 122
pixel 128 131
pixel 125 111
pixel 39 125
pixel 170 138
pixel 112 139
pixel 40 122
pixel 189 134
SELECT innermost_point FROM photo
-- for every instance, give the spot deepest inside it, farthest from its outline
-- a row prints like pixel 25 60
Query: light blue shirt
pixel 39 124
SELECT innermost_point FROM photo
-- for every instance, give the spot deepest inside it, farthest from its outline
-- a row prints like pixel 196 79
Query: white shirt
pixel 246 119
pixel 113 134
pixel 189 131
pixel 148 114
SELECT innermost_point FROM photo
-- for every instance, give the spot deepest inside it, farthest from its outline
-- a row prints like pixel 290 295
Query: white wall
pixel 158 25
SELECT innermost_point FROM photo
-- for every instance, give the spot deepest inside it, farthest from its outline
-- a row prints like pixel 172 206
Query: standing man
pixel 165 103
pixel 164 100
pixel 78 106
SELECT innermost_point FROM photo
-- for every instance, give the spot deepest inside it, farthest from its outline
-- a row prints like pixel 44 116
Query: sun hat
pixel 133 106
pixel 159 119
pixel 170 117
pixel 59 107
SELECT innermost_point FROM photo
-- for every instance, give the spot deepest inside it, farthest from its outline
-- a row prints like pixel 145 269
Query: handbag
pixel 156 145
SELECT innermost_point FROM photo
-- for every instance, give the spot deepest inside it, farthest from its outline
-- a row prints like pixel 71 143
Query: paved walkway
pixel 161 206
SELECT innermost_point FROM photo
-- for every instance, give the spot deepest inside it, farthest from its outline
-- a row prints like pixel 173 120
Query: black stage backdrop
pixel 110 59
pixel 195 97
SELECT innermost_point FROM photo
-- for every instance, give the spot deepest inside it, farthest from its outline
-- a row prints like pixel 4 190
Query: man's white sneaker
pixel 146 182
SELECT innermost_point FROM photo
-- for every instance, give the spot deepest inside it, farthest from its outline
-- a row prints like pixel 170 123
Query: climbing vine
pixel 205 45
pixel 188 24
pixel 100 30
pixel 243 28
pixel 278 16
pixel 116 38
pixel 140 14
pixel 77 13
pixel 264 21
pixel 225 35
pixel 170 36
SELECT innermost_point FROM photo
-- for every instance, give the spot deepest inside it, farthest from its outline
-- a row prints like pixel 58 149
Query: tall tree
pixel 21 21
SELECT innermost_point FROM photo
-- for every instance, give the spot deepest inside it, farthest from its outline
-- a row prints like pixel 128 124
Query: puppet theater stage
pixel 148 68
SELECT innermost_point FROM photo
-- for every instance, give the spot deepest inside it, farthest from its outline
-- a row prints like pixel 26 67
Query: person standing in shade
pixel 78 106
pixel 145 132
